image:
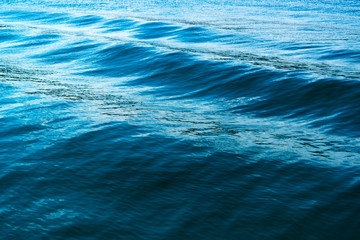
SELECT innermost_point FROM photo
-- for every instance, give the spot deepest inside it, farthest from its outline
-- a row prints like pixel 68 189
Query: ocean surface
pixel 180 119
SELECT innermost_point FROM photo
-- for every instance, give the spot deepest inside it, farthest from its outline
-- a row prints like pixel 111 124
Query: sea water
pixel 145 119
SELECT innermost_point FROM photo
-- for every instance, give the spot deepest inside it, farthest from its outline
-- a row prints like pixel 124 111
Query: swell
pixel 126 126
pixel 171 58
pixel 159 186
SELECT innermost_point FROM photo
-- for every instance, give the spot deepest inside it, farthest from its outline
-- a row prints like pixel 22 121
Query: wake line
pixel 228 54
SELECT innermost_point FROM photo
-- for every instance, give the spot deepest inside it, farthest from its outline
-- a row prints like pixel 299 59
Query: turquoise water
pixel 179 120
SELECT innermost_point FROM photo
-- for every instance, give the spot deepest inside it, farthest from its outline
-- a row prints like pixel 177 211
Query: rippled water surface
pixel 180 119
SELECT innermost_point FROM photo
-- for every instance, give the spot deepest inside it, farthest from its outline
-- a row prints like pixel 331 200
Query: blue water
pixel 144 119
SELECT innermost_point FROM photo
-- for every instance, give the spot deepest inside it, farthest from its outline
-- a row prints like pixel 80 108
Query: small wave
pixel 86 20
pixel 289 91
pixel 179 120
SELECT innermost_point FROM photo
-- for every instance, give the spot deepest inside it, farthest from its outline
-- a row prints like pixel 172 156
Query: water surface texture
pixel 144 119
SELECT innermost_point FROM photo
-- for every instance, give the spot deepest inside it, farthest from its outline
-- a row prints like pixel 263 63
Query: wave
pixel 171 58
pixel 179 120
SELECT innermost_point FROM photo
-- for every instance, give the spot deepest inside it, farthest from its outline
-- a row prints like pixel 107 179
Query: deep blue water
pixel 144 119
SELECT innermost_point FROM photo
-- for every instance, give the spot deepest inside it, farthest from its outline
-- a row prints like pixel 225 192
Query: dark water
pixel 180 120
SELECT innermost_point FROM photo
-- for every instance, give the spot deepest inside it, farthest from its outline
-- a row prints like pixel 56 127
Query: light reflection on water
pixel 179 120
